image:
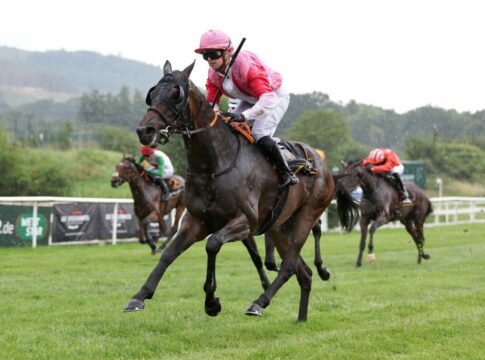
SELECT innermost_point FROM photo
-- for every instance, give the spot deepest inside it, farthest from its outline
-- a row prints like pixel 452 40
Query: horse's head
pixel 352 170
pixel 116 181
pixel 127 169
pixel 168 107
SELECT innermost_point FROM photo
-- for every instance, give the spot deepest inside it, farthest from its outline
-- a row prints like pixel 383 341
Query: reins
pixel 225 171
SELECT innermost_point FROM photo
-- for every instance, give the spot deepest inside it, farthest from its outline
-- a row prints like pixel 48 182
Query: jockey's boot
pixel 272 151
pixel 403 193
pixel 164 187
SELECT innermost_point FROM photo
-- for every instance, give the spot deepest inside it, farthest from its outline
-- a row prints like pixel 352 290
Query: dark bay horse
pixel 380 204
pixel 231 191
pixel 149 204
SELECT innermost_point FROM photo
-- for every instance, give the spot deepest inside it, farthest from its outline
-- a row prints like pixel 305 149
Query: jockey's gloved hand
pixel 234 117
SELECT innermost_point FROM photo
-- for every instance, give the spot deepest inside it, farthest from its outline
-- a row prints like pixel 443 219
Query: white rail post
pixel 473 209
pixel 115 224
pixel 51 224
pixel 324 219
pixel 34 225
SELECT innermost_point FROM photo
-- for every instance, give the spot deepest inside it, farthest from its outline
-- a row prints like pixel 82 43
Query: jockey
pixel 157 165
pixel 257 86
pixel 387 162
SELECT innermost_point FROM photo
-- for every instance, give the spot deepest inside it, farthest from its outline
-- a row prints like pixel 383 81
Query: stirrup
pixel 406 199
pixel 289 179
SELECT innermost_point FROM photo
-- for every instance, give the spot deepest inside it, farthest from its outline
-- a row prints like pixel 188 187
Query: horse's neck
pixel 213 149
pixel 138 187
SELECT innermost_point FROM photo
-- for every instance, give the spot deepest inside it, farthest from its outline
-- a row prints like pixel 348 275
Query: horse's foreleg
pixel 191 231
pixel 236 229
pixel 253 252
pixel 382 219
pixel 364 224
pixel 289 247
pixel 269 260
pixel 288 268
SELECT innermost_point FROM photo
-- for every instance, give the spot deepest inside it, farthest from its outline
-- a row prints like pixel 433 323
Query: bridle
pixel 182 124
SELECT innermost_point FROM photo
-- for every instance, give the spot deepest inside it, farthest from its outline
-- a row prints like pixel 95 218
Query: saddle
pixel 296 157
pixel 173 184
pixel 390 180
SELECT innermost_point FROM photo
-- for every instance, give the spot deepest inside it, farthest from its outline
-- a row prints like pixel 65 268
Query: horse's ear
pixel 188 70
pixel 148 99
pixel 167 68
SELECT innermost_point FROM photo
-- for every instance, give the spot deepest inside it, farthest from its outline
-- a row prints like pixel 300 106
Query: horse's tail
pixel 430 208
pixel 347 208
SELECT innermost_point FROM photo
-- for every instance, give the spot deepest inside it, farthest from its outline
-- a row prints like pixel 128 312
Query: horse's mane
pixel 131 159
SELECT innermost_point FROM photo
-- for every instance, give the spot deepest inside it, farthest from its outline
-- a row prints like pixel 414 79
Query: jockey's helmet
pixel 214 40
pixel 376 156
pixel 146 150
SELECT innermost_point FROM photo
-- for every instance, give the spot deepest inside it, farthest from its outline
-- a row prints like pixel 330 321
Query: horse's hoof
pixel 213 308
pixel 358 264
pixel 426 256
pixel 254 310
pixel 324 274
pixel 134 305
pixel 272 267
pixel 371 258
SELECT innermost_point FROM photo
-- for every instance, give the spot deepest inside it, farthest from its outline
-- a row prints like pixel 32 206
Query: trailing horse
pixel 149 203
pixel 232 192
pixel 380 204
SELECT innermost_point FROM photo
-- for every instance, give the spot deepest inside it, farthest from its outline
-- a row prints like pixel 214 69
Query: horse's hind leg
pixel 141 232
pixel 304 277
pixel 253 252
pixel 162 229
pixel 417 236
pixel 269 260
pixel 420 229
pixel 364 223
pixel 323 272
pixel 191 231
pixel 149 238
pixel 178 214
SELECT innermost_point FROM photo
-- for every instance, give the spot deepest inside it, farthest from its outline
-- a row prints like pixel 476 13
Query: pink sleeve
pixel 211 89
pixel 258 80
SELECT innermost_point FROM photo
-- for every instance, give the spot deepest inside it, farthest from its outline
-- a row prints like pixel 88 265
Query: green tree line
pixel 450 142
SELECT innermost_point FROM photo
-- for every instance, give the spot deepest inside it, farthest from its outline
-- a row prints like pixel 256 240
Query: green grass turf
pixel 66 303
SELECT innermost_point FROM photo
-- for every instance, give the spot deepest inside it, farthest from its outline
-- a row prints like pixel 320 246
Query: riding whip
pixel 227 70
